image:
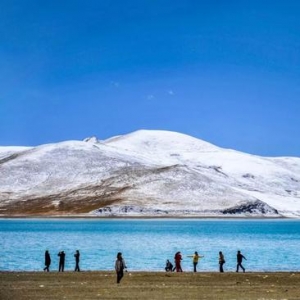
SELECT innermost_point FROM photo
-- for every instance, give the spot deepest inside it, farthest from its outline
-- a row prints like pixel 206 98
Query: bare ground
pixel 148 285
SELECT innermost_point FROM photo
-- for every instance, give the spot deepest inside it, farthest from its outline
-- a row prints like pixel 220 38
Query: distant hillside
pixel 146 173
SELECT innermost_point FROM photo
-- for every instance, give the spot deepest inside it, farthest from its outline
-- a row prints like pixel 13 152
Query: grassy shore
pixel 148 285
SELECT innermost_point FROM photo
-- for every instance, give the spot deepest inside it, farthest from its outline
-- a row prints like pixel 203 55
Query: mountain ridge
pixel 146 173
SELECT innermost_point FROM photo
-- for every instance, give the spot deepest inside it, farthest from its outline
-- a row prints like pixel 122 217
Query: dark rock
pixel 257 207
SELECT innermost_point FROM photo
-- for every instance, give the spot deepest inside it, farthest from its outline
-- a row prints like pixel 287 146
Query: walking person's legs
pixel 240 265
pixel 119 276
pixel 242 268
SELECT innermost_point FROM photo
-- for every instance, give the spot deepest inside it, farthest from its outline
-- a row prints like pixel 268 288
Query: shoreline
pixel 144 217
pixel 155 272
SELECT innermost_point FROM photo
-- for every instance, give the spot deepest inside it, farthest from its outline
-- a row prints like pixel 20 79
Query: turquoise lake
pixel 268 245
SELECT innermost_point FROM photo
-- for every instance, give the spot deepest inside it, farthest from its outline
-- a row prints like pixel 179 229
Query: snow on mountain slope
pixel 7 151
pixel 236 169
pixel 164 147
pixel 146 173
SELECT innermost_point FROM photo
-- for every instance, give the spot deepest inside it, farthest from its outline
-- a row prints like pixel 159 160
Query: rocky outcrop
pixel 257 208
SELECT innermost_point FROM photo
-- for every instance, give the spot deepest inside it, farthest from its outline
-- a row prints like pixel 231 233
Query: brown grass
pixel 44 207
pixel 148 285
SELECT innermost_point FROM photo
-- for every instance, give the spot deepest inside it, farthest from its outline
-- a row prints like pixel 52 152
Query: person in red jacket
pixel 178 258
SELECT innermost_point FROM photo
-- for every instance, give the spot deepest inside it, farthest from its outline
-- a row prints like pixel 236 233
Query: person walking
pixel 62 257
pixel 221 261
pixel 77 257
pixel 239 258
pixel 120 266
pixel 177 259
pixel 47 261
pixel 196 258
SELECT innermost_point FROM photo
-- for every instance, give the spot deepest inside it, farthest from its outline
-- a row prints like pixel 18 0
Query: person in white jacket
pixel 120 266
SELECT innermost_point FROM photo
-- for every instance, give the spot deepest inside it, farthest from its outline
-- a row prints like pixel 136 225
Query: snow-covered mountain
pixel 146 173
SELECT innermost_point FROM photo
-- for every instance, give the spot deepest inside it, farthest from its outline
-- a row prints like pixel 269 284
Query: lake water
pixel 269 245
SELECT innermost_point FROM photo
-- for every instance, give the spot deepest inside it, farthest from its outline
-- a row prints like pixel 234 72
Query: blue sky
pixel 227 72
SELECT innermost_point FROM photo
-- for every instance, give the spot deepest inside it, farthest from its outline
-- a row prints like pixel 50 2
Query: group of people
pixel 61 265
pixel 178 257
pixel 120 264
pixel 177 260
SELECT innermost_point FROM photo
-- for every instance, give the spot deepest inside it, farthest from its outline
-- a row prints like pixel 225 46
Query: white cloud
pixel 115 84
pixel 150 97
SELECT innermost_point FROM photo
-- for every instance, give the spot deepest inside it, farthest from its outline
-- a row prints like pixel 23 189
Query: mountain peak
pixel 92 139
pixel 160 141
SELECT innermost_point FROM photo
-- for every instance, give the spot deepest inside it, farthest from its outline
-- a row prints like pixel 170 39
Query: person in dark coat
pixel 239 258
pixel 62 257
pixel 47 261
pixel 221 261
pixel 120 266
pixel 77 256
pixel 169 266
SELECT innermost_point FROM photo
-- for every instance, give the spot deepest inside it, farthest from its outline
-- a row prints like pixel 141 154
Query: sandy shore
pixel 149 285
